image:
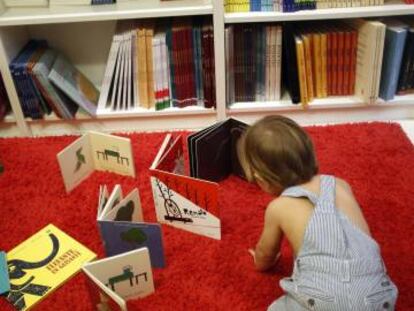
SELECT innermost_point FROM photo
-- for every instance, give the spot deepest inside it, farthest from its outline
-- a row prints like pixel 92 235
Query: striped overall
pixel 339 267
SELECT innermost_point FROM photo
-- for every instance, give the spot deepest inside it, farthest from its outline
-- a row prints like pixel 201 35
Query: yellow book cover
pixel 300 57
pixel 41 264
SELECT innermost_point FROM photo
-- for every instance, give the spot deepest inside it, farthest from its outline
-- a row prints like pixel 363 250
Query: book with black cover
pixel 213 151
pixel 290 67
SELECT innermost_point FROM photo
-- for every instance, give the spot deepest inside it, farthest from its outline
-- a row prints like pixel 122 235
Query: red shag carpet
pixel 203 274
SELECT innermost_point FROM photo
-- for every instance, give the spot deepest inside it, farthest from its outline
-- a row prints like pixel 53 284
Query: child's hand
pixel 253 253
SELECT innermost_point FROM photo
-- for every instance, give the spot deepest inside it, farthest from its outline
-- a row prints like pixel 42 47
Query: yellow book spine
pixel 324 67
pixel 308 65
pixel 142 68
pixel 300 57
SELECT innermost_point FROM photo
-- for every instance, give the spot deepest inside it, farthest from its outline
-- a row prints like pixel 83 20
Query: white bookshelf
pixel 85 33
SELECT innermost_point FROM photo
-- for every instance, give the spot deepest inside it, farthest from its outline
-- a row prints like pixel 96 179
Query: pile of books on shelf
pixel 52 3
pixel 231 6
pixel 46 81
pixel 160 65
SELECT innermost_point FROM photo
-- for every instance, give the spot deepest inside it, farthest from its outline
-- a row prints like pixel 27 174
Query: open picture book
pixel 95 151
pixel 122 225
pixel 187 200
pixel 212 151
pixel 41 264
pixel 114 280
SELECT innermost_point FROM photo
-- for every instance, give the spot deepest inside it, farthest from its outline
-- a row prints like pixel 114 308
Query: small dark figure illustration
pixel 81 159
pixel 125 212
pixel 127 274
pixel 112 153
pixel 133 236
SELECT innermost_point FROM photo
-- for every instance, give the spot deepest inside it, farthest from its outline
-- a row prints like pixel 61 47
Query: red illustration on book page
pixel 184 202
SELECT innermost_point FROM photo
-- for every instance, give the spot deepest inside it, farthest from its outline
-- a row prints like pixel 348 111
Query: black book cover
pixel 290 67
pixel 213 151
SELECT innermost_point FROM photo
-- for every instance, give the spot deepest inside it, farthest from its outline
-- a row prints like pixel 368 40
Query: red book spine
pixel 340 74
pixel 352 66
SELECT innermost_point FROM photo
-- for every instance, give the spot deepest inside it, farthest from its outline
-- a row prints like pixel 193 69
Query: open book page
pixel 127 275
pixel 128 209
pixel 115 197
pixel 76 162
pixel 103 199
pixel 102 297
pixel 112 153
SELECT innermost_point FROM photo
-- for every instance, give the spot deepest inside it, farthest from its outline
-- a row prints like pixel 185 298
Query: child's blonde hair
pixel 279 151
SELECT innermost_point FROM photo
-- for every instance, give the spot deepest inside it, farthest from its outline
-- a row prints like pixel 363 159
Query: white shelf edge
pixel 318 104
pixel 105 115
pixel 334 13
pixel 67 14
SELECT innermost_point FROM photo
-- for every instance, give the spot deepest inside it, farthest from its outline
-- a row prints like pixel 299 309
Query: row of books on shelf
pixel 253 54
pixel 364 58
pixel 150 66
pixel 233 6
pixel 157 66
pixel 46 3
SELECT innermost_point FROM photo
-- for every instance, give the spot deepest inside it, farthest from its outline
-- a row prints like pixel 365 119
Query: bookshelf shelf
pixel 406 101
pixel 389 9
pixel 127 10
pixel 137 113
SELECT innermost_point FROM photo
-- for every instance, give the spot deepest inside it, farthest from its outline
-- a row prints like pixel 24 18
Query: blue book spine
pixel 195 60
pixel 393 53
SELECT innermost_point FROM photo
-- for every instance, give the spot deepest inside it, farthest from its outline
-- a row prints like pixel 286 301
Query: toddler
pixel 337 263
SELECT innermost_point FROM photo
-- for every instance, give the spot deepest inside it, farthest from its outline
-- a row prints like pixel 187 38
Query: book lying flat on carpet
pixel 219 140
pixel 42 263
pixel 4 274
pixel 95 151
pixel 114 280
pixel 123 228
pixel 180 200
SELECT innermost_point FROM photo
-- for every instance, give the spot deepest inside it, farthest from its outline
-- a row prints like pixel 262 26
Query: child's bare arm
pixel 267 249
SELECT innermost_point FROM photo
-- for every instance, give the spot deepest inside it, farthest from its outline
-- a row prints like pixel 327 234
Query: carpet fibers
pixel 377 159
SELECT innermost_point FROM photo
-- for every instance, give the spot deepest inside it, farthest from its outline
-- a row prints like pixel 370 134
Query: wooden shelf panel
pixel 389 9
pixel 126 10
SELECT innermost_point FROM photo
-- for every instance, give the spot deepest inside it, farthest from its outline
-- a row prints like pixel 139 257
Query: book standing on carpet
pixel 190 201
pixel 114 280
pixel 95 151
pixel 180 200
pixel 41 264
pixel 221 140
pixel 122 225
